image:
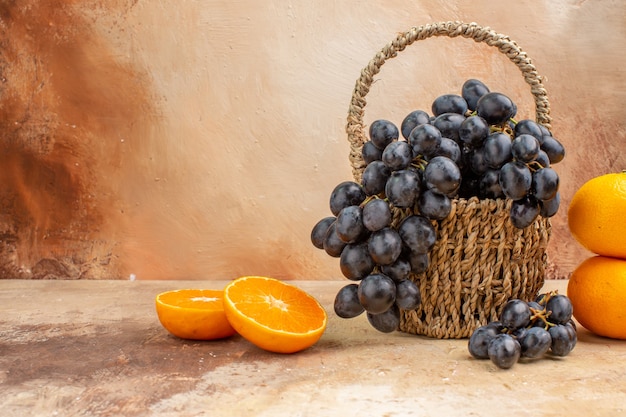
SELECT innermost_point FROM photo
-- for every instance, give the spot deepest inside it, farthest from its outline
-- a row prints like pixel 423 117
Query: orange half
pixel 274 315
pixel 194 314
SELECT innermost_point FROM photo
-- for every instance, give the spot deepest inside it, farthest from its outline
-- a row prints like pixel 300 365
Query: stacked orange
pixel 270 313
pixel 597 287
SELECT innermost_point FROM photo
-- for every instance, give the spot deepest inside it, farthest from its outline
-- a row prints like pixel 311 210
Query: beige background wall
pixel 202 139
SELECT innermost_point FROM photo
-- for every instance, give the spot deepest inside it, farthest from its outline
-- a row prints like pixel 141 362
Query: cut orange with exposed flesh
pixel 194 314
pixel 274 315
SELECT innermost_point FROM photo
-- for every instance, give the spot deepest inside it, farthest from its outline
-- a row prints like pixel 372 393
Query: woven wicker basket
pixel 480 260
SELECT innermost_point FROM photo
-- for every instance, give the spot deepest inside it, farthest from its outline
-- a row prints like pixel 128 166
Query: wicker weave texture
pixel 479 262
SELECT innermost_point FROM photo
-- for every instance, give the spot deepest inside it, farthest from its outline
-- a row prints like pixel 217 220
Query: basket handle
pixel 355 126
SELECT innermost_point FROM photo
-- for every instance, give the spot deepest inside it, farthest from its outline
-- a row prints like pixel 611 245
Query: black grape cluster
pixel 527 330
pixel 470 146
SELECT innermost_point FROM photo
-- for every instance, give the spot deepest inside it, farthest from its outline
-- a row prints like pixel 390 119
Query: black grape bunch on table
pixel 382 228
pixel 527 331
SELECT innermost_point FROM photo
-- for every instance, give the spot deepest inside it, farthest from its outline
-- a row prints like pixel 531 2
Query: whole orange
pixel 597 290
pixel 597 215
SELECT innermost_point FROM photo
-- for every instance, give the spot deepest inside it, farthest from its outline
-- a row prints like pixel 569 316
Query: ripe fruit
pixel 409 184
pixel 597 290
pixel 527 330
pixel 194 314
pixel 596 215
pixel 274 315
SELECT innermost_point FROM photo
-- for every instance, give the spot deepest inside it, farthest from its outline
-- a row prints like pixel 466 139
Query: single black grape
pixel 376 215
pixel 433 205
pixel 355 261
pixel 515 314
pixel 542 158
pixel 549 208
pixel 399 270
pixel 318 234
pixel 332 244
pixel 382 133
pixel 374 178
pixel 377 293
pixel 419 262
pixel 449 125
pixel 518 333
pixel 425 140
pixel 449 103
pixel 535 342
pixel 479 341
pixel 347 303
pixel 397 155
pixel 417 233
pixel 349 224
pixel 347 193
pixel 525 148
pixel 495 108
pixel 403 188
pixel 545 183
pixel 472 91
pixel 504 351
pixel 497 149
pixel 477 161
pixel 570 326
pixel 443 176
pixel 544 131
pixel 524 212
pixel 385 246
pixel 371 153
pixel 563 339
pixel 474 131
pixel 412 120
pixel 408 296
pixel 387 321
pixel 559 309
pixel 515 180
pixel 490 185
pixel 450 149
pixel 529 127
pixel 553 148
pixel 497 325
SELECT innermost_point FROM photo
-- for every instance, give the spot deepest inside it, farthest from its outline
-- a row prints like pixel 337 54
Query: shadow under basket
pixel 479 262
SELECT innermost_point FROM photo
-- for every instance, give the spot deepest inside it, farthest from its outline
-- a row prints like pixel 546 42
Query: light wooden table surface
pixel 96 348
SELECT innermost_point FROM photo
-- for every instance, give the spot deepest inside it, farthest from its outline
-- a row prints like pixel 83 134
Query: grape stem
pixel 419 163
pixel 370 198
pixel 504 128
pixel 543 315
pixel 534 166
